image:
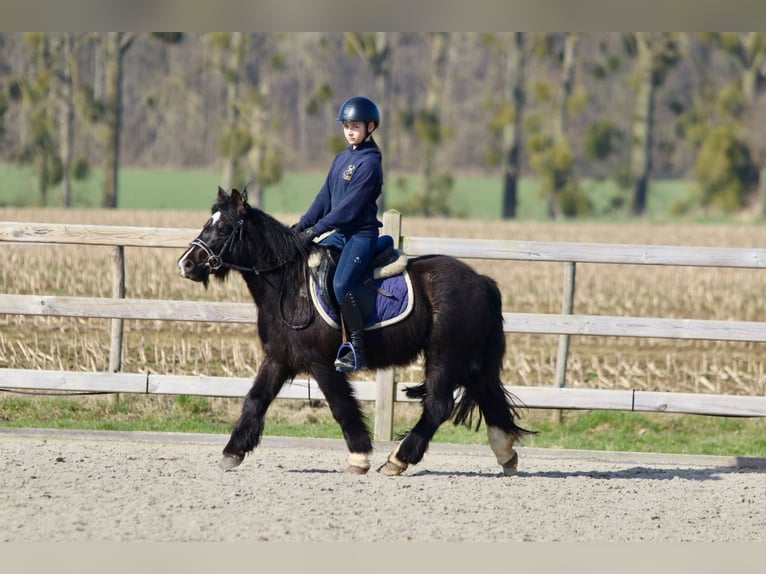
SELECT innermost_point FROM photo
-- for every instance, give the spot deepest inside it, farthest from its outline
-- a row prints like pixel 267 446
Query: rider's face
pixel 354 132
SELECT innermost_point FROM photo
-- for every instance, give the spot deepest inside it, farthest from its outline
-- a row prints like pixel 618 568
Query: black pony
pixel 456 323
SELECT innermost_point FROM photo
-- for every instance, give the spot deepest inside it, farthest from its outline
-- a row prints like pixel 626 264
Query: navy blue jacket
pixel 347 201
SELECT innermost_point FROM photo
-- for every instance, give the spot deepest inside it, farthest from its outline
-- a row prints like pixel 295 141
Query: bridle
pixel 215 261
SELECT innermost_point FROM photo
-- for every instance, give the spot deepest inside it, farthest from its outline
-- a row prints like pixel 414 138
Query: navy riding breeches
pixel 356 253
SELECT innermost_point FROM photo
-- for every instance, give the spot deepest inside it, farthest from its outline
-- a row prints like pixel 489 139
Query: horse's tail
pixel 484 388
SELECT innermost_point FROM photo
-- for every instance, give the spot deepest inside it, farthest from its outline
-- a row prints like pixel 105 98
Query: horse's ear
pixel 221 193
pixel 238 199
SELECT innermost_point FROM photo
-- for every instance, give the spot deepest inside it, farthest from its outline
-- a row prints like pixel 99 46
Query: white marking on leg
pixel 393 458
pixel 359 459
pixel 501 444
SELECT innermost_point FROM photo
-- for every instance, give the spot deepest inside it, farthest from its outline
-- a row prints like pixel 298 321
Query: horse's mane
pixel 266 243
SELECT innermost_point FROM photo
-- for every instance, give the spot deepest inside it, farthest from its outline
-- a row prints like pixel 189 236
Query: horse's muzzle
pixel 191 270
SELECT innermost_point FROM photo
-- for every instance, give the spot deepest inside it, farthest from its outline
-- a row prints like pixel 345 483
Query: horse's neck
pixel 260 291
pixel 270 288
pixel 280 274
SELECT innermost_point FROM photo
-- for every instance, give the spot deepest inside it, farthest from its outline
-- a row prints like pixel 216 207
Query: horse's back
pixel 455 290
pixel 446 276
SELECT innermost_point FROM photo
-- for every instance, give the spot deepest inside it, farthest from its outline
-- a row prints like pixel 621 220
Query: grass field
pixel 214 349
pixel 473 196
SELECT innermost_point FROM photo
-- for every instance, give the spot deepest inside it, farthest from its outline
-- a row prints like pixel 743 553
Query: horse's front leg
pixel 346 411
pixel 248 429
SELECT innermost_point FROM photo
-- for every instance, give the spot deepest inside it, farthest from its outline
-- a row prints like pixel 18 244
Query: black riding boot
pixel 352 355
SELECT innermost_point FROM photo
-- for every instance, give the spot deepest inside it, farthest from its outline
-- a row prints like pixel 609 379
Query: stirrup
pixel 341 364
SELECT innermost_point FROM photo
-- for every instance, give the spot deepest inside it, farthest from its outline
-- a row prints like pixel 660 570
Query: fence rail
pixel 303 388
pixel 385 391
pixel 614 253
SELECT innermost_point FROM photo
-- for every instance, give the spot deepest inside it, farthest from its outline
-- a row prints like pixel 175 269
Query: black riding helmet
pixel 359 109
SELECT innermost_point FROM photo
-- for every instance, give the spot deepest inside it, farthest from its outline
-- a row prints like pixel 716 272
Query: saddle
pixel 384 290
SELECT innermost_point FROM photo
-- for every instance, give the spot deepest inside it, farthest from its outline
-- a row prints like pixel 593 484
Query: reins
pixel 215 261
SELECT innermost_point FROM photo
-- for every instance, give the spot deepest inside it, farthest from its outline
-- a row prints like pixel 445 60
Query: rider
pixel 346 204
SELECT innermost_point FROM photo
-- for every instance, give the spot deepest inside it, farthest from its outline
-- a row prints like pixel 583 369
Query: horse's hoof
pixel 509 468
pixel 353 469
pixel 391 468
pixel 230 461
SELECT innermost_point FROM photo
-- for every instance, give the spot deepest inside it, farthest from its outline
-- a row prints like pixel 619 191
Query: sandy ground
pixel 106 486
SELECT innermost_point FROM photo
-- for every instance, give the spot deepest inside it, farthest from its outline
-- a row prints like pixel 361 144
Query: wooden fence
pixel 385 390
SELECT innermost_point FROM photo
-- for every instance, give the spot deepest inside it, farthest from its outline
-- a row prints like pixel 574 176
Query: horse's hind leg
pixel 248 429
pixel 502 431
pixel 438 404
pixel 346 411
pixel 501 443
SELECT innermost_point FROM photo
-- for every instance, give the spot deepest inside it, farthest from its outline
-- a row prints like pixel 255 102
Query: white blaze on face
pixel 212 221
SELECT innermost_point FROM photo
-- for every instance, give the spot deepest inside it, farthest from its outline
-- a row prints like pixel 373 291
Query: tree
pixel 48 97
pixel 551 154
pixel 512 121
pixel 35 94
pixel 263 161
pixel 229 49
pixel 426 125
pixel 724 170
pixel 655 53
pixel 311 62
pixel 747 51
pixel 246 144
pixel 116 44
pixel 726 166
pixel 3 105
pixel 63 90
pixel 175 95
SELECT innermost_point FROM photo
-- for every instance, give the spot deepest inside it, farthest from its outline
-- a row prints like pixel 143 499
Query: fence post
pixel 118 291
pixel 567 307
pixel 385 379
